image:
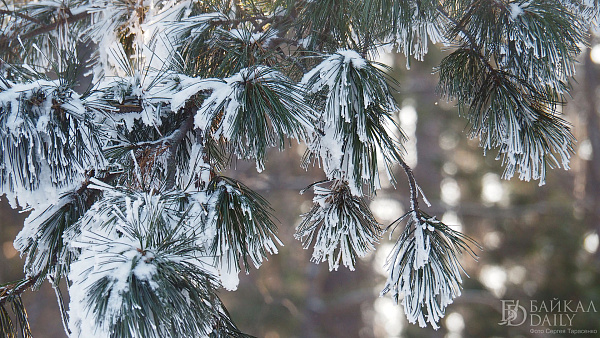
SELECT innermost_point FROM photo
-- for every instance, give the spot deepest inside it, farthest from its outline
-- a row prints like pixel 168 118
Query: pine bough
pixel 125 180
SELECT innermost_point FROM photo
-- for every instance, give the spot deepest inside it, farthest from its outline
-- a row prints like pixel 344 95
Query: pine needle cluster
pixel 118 120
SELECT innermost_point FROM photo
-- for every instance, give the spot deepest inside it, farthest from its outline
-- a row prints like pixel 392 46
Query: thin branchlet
pixel 174 142
pixel 180 89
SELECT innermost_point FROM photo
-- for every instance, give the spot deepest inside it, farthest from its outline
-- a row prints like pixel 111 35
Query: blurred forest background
pixel 539 243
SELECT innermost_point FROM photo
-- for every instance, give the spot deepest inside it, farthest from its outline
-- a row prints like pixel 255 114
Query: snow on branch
pixel 41 239
pixel 423 267
pixel 241 221
pixel 510 78
pixel 508 113
pixel 356 120
pixel 125 178
pixel 416 24
pixel 178 24
pixel 340 225
pixel 540 44
pixel 255 109
pixel 138 268
pixel 48 139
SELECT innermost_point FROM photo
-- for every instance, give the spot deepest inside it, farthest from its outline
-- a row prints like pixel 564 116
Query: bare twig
pixel 16 288
pixel 473 46
pixel 60 21
pixel 176 138
pixel 20 15
pixel 414 191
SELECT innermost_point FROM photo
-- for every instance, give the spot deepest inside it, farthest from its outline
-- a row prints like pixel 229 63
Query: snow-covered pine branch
pixel 48 140
pixel 340 225
pixel 242 224
pixel 510 79
pixel 424 268
pixel 140 260
pixel 355 120
pixel 126 176
pixel 253 110
pixel 47 255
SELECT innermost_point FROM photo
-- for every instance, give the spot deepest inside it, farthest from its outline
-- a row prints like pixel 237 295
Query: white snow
pixel 227 98
pixel 43 171
pixel 104 256
pixel 413 38
pixel 227 272
pixel 196 24
pixel 352 58
pixel 336 231
pixel 422 244
pixel 112 240
pixel 250 37
pixel 515 10
pixel 426 287
pixel 345 105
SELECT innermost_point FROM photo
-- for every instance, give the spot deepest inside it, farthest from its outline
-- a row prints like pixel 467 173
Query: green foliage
pixel 339 225
pixel 508 113
pixel 327 24
pixel 424 263
pixel 242 49
pixel 10 328
pixel 145 269
pixel 510 75
pixel 181 89
pixel 47 255
pixel 260 109
pixel 356 116
pixel 243 222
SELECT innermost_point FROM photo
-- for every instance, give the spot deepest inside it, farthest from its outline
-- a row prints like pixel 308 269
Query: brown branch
pixel 414 189
pixel 129 108
pixel 61 21
pixel 470 39
pixel 275 42
pixel 176 138
pixel 20 15
pixel 17 288
pixel 240 9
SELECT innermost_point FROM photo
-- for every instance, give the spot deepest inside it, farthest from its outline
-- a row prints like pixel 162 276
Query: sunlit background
pixel 539 243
